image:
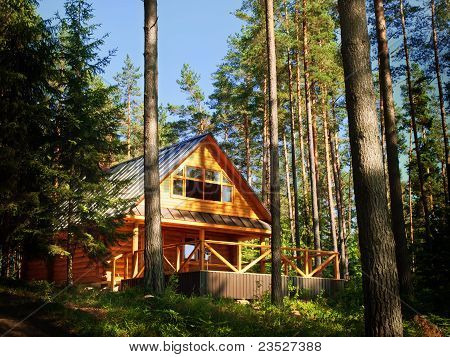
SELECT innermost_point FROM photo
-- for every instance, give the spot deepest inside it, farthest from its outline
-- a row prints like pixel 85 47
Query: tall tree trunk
pixel 334 150
pixel 312 167
pixel 395 186
pixel 129 128
pixel 305 189
pixel 382 308
pixel 293 155
pixel 331 206
pixel 412 113
pixel 383 139
pixel 437 69
pixel 277 297
pixel 288 190
pixel 247 149
pixel 410 200
pixel 153 253
pixel 265 191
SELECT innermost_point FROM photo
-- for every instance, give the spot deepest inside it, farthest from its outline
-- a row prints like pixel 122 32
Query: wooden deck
pixel 204 255
pixel 244 285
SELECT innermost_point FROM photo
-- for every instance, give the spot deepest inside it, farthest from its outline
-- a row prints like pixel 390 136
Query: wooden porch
pixel 206 256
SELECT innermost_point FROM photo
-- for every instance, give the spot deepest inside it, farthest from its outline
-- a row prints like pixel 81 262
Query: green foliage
pixel 193 118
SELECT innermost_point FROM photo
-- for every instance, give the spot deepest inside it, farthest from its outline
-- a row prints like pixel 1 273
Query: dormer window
pixel 202 184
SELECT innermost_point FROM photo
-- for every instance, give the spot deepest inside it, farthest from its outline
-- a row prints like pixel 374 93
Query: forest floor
pixel 41 309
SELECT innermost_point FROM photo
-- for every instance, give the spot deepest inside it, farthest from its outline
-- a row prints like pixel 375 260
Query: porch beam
pixel 134 248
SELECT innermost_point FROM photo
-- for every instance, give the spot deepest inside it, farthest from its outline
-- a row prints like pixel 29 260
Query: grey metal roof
pixel 169 157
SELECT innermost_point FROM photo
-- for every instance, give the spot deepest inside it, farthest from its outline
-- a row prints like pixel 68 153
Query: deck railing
pixel 298 261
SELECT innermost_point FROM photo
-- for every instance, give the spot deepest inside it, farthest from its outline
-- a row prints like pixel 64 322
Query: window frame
pixel 175 176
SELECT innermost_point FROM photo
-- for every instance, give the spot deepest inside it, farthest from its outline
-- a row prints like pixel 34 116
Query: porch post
pixel 306 262
pixel 134 248
pixel 239 256
pixel 202 249
pixel 262 263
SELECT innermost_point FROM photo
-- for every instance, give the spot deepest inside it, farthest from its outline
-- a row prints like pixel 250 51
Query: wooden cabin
pixel 216 232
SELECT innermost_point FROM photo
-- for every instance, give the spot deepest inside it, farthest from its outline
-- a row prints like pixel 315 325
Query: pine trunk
pixel 412 113
pixel 277 297
pixel 247 149
pixel 288 190
pixel 129 128
pixel 437 69
pixel 382 308
pixel 331 207
pixel 334 150
pixel 395 187
pixel 265 191
pixel 293 155
pixel 312 167
pixel 305 188
pixel 153 253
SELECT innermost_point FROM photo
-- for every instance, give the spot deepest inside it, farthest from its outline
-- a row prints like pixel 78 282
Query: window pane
pixel 179 172
pixel 227 193
pixel 177 187
pixel 194 172
pixel 212 191
pixel 211 175
pixel 225 180
pixel 194 189
pixel 188 248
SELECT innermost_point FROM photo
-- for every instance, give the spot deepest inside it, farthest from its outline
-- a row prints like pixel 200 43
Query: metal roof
pixel 211 218
pixel 169 157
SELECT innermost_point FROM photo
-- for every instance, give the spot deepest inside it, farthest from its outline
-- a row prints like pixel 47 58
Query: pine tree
pixel 127 82
pixel 380 281
pixel 193 118
pixel 153 251
pixel 90 207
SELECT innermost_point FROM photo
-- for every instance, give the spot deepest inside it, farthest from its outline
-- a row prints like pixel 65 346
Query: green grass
pixel 92 312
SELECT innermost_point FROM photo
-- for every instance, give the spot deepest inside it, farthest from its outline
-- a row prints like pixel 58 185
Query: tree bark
pixel 277 297
pixel 129 127
pixel 331 207
pixel 382 309
pixel 312 167
pixel 293 155
pixel 288 190
pixel 247 149
pixel 412 113
pixel 395 186
pixel 305 189
pixel 265 191
pixel 154 274
pixel 334 150
pixel 437 69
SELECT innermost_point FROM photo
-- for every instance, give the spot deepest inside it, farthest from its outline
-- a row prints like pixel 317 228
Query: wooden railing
pixel 297 261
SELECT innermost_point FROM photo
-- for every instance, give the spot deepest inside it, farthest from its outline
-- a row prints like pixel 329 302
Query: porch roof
pixel 209 220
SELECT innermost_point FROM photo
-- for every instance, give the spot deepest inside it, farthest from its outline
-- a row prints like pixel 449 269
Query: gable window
pixel 202 184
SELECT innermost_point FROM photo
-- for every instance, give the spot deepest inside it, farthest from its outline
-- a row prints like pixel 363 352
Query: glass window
pixel 188 248
pixel 194 172
pixel 227 193
pixel 226 180
pixel 212 191
pixel 194 189
pixel 179 172
pixel 211 175
pixel 177 187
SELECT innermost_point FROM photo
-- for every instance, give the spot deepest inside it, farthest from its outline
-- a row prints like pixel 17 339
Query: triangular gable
pixel 239 182
pixel 170 158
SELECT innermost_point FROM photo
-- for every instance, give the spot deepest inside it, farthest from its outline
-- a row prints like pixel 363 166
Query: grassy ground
pixel 91 312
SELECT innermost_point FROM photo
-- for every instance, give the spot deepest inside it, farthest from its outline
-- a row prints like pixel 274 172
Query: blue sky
pixel 193 32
